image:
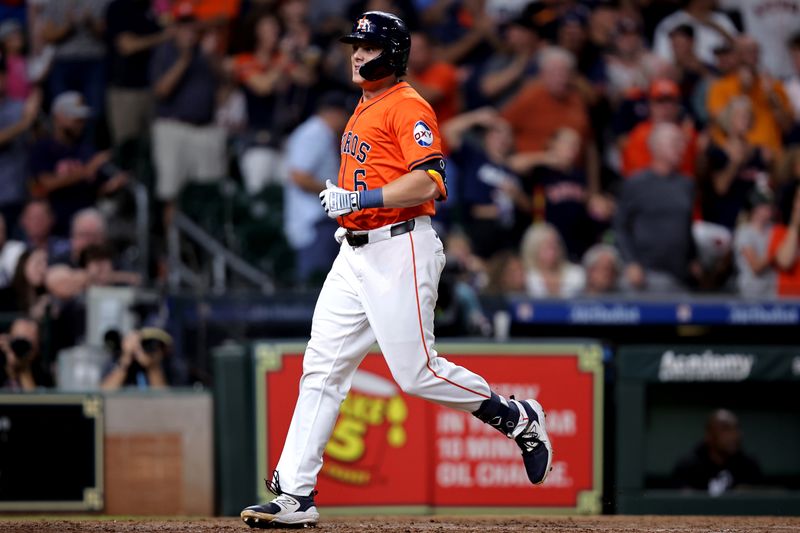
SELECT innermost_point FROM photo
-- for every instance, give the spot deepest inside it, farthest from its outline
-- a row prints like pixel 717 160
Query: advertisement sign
pixel 51 452
pixel 703 363
pixel 391 450
pixel 378 452
pixel 627 312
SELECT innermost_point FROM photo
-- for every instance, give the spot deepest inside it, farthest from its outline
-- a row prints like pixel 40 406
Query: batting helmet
pixel 388 32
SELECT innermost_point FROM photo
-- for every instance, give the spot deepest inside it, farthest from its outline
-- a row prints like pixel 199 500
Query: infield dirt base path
pixel 418 524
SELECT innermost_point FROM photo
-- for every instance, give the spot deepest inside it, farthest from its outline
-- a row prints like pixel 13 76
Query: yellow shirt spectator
pixel 768 99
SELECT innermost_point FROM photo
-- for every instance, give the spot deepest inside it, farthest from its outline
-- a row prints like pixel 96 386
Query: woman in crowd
pixel 547 271
pixel 27 293
pixel 756 277
pixel 734 167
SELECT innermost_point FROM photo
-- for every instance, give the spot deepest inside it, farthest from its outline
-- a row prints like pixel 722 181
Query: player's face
pixel 362 53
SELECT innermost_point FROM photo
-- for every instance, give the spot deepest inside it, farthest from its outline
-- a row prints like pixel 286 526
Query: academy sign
pixel 705 366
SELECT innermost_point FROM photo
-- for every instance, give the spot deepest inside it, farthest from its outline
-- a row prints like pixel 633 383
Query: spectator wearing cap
pixel 142 361
pixel 756 276
pixel 630 63
pixel 733 167
pixel 506 71
pixel 436 81
pixel 12 41
pixel 711 29
pixel 653 224
pixel 312 156
pixel 664 107
pixel 66 168
pixel 772 115
pixel 186 144
pixel 75 29
pixel 16 119
pixel 132 33
pixel 772 24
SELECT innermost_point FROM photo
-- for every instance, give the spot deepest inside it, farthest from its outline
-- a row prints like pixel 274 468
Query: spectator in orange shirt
pixel 436 81
pixel 665 106
pixel 771 109
pixel 552 99
pixel 784 248
pixel 548 103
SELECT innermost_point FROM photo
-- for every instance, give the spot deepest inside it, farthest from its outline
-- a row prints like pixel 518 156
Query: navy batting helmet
pixel 388 32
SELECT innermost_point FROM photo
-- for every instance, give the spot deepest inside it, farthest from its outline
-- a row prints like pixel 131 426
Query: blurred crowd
pixel 594 146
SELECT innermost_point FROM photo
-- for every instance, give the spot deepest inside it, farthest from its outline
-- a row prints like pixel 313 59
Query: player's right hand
pixel 338 202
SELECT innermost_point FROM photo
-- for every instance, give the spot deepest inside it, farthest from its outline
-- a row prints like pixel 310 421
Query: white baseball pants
pixel 384 291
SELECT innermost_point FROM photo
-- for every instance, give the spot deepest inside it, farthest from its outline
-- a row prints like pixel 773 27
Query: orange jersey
pixel 387 137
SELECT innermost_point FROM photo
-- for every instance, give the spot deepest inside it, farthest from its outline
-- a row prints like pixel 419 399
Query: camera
pixel 152 346
pixel 20 347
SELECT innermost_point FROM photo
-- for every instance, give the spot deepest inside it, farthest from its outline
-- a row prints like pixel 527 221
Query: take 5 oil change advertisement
pixel 400 452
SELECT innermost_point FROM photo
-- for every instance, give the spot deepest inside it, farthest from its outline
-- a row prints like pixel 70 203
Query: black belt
pixel 360 239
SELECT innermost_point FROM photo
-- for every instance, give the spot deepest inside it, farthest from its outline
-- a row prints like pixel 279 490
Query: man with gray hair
pixel 653 225
pixel 602 266
pixel 555 102
pixel 88 229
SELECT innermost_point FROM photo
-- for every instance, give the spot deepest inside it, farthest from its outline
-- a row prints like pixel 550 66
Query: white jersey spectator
pixel 711 30
pixel 772 24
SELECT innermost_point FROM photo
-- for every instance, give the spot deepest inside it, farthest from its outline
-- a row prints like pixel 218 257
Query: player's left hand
pixel 338 202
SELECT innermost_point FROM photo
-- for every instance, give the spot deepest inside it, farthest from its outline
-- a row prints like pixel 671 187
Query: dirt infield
pixel 418 524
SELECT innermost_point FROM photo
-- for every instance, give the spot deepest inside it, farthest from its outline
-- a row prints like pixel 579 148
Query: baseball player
pixel 383 284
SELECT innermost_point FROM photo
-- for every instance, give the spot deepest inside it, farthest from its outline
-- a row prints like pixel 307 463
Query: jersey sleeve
pixel 417 131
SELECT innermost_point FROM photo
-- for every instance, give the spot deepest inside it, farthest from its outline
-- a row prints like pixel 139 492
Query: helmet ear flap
pixel 377 68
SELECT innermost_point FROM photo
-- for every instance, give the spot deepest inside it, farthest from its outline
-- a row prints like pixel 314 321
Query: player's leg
pixel 401 315
pixel 340 338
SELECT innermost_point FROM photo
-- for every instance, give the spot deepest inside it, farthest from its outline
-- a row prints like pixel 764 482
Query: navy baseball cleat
pixel 537 452
pixel 285 511
pixel 522 421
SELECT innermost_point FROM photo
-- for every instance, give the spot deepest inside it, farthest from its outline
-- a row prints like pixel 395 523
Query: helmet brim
pixel 357 38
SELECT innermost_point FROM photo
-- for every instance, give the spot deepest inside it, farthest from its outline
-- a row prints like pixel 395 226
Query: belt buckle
pixel 356 240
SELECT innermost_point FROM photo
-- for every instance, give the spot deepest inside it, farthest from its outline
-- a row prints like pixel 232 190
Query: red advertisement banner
pixel 379 452
pixel 391 449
